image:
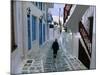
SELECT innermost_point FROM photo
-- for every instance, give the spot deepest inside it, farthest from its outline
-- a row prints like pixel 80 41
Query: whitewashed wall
pixel 88 13
pixel 21 34
pixel 18 53
pixel 91 12
pixel 35 44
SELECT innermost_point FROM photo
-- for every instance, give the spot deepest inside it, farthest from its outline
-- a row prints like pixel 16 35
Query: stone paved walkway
pixel 64 61
pixel 60 63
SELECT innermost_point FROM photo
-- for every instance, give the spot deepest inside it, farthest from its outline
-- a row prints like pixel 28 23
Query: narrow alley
pixel 36 25
pixel 64 62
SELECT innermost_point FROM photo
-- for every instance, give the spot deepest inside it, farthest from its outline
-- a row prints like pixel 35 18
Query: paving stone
pixel 32 68
pixel 61 63
pixel 25 72
pixel 25 68
pixel 48 70
pixel 29 61
pixel 27 64
pixel 60 69
pixel 47 66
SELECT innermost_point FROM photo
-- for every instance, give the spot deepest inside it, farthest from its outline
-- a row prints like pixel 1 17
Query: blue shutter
pixel 40 32
pixel 29 32
pixel 43 32
pixel 33 28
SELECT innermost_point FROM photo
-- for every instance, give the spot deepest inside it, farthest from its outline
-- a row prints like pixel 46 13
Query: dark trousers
pixel 54 53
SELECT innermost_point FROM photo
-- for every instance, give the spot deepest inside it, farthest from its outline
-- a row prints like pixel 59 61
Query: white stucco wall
pixel 35 50
pixel 87 14
pixel 37 14
pixel 73 21
pixel 21 34
pixel 91 12
pixel 75 44
pixel 93 57
pixel 73 24
pixel 18 53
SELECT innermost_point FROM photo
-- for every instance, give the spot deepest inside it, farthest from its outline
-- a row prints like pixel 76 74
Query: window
pixel 44 6
pixel 40 5
pixel 36 4
pixel 33 28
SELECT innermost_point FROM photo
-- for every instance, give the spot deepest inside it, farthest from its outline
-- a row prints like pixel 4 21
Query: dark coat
pixel 55 46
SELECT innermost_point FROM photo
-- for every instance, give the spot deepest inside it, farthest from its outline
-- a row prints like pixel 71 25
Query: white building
pixel 72 23
pixel 30 30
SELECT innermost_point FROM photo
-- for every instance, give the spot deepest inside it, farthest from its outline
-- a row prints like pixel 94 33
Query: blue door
pixel 43 32
pixel 29 32
pixel 33 28
pixel 40 32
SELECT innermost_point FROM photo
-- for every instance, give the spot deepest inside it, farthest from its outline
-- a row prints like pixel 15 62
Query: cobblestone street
pixel 63 62
pixel 59 64
pixel 38 28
